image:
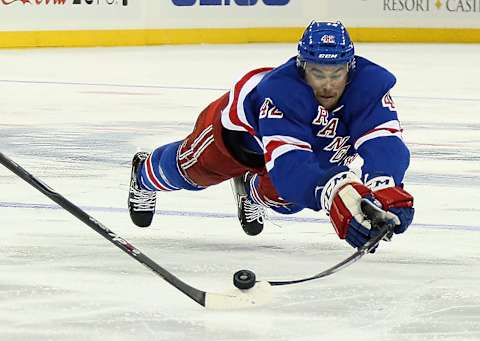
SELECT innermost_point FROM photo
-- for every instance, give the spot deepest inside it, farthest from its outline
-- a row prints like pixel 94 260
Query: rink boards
pixel 47 23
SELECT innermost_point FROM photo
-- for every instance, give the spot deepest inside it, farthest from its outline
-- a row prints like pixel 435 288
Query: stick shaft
pixel 195 294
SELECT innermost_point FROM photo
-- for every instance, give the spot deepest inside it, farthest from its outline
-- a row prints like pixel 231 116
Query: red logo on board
pixel 34 2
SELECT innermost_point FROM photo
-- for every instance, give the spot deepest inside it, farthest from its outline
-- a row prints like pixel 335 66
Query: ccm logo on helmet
pixel 327 55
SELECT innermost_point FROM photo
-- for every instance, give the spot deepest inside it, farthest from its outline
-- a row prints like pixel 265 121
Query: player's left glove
pixel 341 197
pixel 399 202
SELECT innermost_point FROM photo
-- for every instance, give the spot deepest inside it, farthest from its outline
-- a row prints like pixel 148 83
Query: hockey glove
pixel 341 197
pixel 399 202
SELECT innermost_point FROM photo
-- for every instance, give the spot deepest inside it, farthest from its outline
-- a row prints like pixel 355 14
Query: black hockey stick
pixel 232 300
pixel 379 221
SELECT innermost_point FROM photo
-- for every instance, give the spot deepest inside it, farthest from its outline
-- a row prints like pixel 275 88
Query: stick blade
pixel 259 295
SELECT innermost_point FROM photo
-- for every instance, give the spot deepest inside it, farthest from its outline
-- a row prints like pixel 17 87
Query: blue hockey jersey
pixel 303 143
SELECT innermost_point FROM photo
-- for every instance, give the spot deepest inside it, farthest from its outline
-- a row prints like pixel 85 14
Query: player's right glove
pixel 341 197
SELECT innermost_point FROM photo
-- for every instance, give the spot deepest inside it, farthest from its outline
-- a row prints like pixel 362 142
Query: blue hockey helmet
pixel 325 43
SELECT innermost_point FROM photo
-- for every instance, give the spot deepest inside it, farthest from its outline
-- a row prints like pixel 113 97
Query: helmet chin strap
pixel 350 69
pixel 301 66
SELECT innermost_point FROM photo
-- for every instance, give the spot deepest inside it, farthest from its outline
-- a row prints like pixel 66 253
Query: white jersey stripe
pixel 282 138
pixel 245 90
pixel 393 124
pixel 374 135
pixel 283 149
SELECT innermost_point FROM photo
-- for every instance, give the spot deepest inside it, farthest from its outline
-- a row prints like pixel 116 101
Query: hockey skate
pixel 141 203
pixel 250 214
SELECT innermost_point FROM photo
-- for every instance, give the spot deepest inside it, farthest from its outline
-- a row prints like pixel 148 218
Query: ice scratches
pixel 450 153
pixel 442 307
pixel 421 261
pixel 459 141
pixel 23 255
pixel 118 324
pixel 413 98
pixel 271 247
pixel 453 180
pixel 448 227
pixel 472 310
pixel 463 209
pixel 69 149
pixel 124 85
pixel 458 321
pixel 74 258
pixel 14 292
pixel 436 307
pixel 73 145
pixel 431 125
pixel 453 227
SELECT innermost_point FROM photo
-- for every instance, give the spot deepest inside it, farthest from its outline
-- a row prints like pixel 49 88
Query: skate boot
pixel 141 202
pixel 250 214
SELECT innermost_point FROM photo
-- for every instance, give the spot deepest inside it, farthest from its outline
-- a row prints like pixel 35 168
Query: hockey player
pixel 320 131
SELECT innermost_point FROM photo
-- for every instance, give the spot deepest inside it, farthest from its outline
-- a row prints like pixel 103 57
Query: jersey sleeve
pixel 287 137
pixel 377 133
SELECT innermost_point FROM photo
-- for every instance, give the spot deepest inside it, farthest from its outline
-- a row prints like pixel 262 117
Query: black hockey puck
pixel 244 279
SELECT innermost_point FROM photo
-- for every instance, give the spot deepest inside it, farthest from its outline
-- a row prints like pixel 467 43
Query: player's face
pixel 328 82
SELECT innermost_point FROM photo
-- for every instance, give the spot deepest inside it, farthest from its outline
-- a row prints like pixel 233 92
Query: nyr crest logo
pixel 328 39
pixel 387 102
pixel 269 110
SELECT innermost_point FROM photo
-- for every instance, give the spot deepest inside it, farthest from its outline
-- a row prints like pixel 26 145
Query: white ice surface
pixel 74 118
